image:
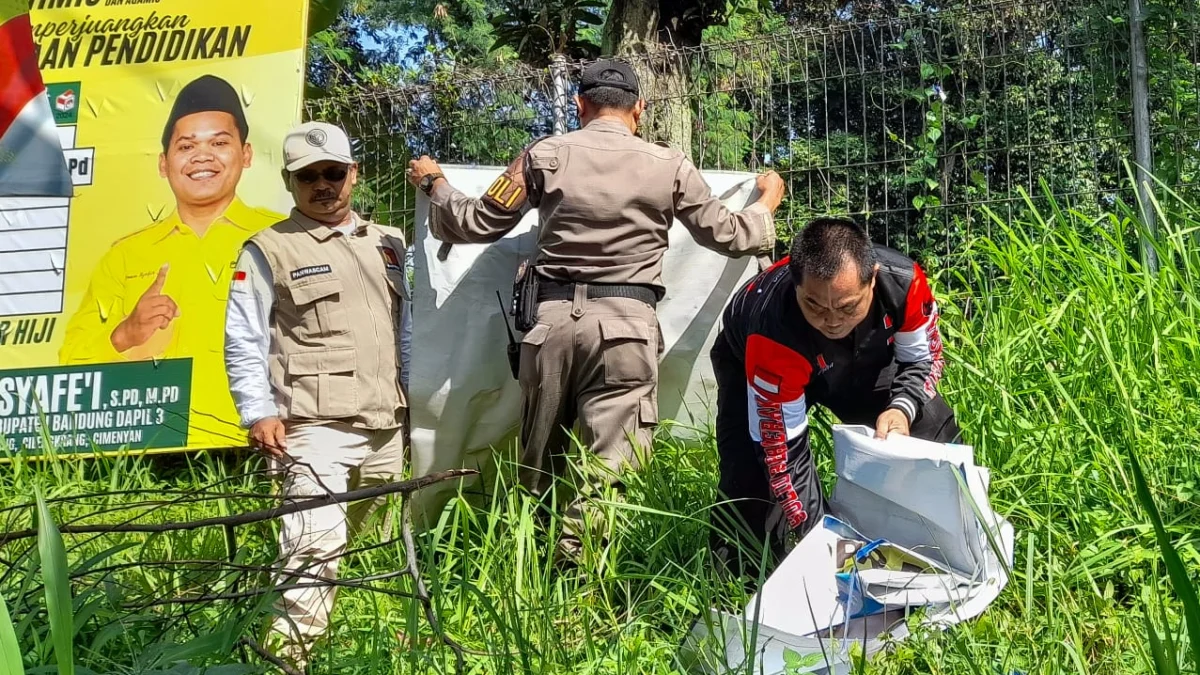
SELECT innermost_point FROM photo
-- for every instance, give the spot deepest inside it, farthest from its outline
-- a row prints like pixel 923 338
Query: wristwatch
pixel 426 182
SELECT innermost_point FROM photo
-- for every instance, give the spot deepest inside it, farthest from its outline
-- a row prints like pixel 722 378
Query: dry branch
pixel 402 487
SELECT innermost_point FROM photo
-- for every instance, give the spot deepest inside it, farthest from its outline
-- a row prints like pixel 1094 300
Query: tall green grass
pixel 1074 373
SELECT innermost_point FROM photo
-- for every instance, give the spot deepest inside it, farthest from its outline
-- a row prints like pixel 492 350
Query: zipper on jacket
pixel 362 283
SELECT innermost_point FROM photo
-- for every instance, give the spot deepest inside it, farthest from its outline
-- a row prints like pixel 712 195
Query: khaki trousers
pixel 594 361
pixel 325 458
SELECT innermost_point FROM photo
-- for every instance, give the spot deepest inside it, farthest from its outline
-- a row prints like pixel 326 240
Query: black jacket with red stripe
pixel 789 365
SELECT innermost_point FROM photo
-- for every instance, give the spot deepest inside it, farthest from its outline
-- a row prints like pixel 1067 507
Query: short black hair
pixel 207 93
pixel 823 246
pixel 610 98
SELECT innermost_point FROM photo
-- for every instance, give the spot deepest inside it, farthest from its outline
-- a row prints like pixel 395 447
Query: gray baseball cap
pixel 313 142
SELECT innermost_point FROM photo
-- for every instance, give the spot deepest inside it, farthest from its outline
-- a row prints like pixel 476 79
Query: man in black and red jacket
pixel 840 323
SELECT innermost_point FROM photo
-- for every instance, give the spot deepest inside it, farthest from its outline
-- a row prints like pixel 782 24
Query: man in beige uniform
pixel 605 201
pixel 312 350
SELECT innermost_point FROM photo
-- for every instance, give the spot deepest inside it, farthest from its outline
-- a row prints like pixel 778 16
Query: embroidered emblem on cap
pixel 315 138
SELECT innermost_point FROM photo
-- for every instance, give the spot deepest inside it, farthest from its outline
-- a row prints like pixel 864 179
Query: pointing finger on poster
pixel 154 311
pixel 159 281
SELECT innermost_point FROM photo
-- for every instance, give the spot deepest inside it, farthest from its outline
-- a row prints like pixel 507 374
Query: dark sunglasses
pixel 332 174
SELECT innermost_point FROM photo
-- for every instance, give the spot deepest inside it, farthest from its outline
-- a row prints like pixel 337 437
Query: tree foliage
pixel 912 116
pixel 538 30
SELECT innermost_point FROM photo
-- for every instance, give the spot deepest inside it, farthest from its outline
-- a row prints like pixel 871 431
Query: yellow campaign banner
pixel 171 115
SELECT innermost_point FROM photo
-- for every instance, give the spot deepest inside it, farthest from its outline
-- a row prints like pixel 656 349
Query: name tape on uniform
pixel 311 270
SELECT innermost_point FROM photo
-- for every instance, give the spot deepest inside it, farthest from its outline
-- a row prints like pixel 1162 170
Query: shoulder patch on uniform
pixel 507 192
pixel 391 259
pixel 311 270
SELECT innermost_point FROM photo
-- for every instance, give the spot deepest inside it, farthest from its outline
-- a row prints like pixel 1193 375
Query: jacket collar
pixel 609 125
pixel 320 231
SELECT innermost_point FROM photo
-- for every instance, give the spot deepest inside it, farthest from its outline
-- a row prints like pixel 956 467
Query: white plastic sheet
pixel 463 397
pixel 926 497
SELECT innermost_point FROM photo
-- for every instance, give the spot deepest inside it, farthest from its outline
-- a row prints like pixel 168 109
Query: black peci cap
pixel 616 74
pixel 207 93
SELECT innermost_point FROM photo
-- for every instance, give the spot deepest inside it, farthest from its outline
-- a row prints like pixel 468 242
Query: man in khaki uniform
pixel 605 200
pixel 312 350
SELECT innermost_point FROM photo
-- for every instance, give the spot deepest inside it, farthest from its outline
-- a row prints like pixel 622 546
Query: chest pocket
pixel 319 307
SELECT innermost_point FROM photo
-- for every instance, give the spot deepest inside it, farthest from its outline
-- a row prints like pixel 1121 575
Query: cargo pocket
pixel 630 348
pixel 531 344
pixel 648 412
pixel 319 304
pixel 323 383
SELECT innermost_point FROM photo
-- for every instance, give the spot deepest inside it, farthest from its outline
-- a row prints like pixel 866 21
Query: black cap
pixel 207 93
pixel 615 74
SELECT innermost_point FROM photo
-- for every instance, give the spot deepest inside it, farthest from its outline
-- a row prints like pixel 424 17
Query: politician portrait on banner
pixel 170 115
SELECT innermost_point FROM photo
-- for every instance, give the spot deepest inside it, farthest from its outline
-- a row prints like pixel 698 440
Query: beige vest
pixel 335 329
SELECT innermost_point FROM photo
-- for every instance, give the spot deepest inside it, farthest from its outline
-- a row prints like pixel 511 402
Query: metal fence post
pixel 1143 157
pixel 558 73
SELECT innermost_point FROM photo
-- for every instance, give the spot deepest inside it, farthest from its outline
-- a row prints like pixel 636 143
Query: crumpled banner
pixel 925 507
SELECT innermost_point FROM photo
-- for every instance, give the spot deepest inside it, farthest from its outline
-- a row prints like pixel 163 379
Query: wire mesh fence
pixel 911 122
pixel 915 123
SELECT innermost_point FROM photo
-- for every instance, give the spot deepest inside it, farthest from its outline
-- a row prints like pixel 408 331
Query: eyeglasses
pixel 332 174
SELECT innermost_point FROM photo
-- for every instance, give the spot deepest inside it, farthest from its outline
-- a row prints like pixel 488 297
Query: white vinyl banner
pixel 464 400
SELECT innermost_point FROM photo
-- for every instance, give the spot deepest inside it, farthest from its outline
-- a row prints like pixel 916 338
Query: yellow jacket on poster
pixel 197 276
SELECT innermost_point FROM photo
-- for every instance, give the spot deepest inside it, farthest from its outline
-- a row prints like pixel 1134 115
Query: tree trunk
pixel 635 30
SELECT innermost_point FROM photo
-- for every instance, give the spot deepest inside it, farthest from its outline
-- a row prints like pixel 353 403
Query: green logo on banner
pixel 64 101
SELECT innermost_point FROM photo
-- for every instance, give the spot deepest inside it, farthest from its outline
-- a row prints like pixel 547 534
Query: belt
pixel 559 290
